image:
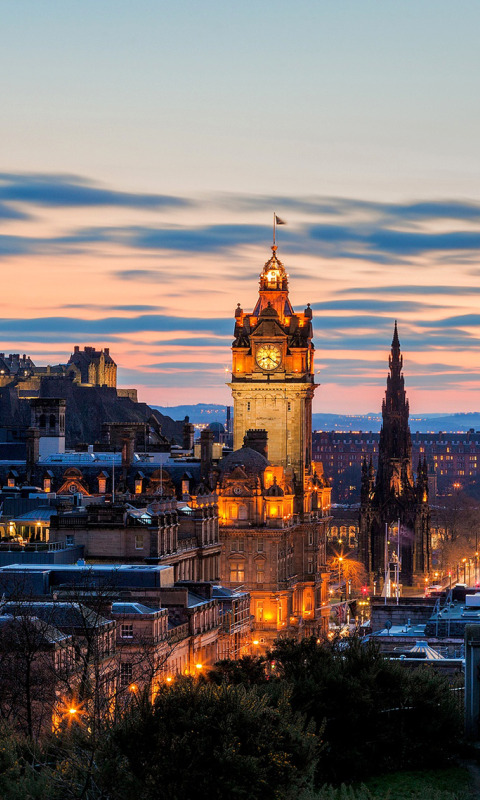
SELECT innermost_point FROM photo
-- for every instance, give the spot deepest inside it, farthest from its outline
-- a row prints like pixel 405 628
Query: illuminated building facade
pixel 274 501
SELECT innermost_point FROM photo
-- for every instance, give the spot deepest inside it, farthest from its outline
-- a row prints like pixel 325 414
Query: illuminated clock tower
pixel 273 376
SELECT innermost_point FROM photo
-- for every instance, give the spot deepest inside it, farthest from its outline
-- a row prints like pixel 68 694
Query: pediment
pixel 238 474
pixel 268 327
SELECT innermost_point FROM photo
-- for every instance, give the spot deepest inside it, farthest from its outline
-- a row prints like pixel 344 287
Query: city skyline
pixel 144 154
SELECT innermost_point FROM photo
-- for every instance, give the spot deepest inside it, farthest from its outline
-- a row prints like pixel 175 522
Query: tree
pixel 457 521
pixel 247 670
pixel 377 713
pixel 346 568
pixel 203 740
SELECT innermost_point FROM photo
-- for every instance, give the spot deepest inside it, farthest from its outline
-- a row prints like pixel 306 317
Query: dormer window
pixel 138 486
pixel 11 483
pixel 47 485
pixel 102 485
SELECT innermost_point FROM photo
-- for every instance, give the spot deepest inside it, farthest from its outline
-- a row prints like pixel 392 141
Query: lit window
pixel 138 486
pixel 11 483
pixel 126 630
pixel 102 485
pixel 237 571
pixel 47 484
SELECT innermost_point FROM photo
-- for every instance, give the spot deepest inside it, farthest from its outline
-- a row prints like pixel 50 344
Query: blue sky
pixel 144 146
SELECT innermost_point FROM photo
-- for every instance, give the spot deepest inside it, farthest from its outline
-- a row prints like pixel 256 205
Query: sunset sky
pixel 145 145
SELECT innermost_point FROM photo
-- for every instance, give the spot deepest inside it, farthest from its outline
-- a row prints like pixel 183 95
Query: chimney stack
pixel 206 453
pixel 33 451
pixel 257 439
pixel 188 434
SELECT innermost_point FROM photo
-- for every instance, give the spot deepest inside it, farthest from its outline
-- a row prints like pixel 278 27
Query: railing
pixel 12 546
pixel 178 633
pixel 187 544
pixel 458 694
pixel 69 522
pixel 269 626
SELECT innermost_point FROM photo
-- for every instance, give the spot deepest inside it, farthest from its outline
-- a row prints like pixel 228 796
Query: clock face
pixel 269 356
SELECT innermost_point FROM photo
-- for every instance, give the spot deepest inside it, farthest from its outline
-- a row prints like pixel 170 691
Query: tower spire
pixel 395 360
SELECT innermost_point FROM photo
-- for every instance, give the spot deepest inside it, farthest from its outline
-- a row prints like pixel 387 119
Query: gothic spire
pixel 395 360
pixel 395 447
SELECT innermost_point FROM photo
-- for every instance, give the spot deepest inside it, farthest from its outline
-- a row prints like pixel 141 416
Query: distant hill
pixel 201 412
pixel 424 423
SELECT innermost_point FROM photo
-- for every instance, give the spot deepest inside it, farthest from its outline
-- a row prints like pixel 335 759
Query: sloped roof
pixel 246 457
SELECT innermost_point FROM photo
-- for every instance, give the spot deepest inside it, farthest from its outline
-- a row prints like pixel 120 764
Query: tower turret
pixel 273 374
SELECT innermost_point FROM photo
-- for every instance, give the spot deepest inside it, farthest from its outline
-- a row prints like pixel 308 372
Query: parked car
pixel 433 590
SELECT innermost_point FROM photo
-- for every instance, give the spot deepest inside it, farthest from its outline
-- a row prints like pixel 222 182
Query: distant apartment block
pixel 453 460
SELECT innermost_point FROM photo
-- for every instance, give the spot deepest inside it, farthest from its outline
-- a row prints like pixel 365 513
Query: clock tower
pixel 273 376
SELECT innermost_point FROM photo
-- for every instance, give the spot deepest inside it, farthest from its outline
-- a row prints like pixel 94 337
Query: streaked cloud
pixel 157 277
pixel 60 191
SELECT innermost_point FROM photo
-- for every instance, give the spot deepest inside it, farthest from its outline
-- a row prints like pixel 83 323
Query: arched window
pixel 52 421
pixel 42 421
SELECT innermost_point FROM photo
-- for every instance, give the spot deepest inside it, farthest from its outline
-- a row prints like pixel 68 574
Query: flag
pixel 279 221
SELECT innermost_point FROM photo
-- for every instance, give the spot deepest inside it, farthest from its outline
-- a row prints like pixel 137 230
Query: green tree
pixel 378 714
pixel 248 670
pixel 201 741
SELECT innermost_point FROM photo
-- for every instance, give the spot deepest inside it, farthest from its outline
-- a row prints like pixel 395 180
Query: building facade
pixel 273 500
pixel 453 460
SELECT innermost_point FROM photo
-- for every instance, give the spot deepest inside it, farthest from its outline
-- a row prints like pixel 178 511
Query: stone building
pixel 96 367
pixel 273 500
pixel 393 496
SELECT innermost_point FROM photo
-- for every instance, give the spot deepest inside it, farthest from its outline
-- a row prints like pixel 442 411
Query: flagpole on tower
pixel 274 227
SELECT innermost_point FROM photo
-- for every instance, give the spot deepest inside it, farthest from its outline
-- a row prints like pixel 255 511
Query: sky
pixel 145 145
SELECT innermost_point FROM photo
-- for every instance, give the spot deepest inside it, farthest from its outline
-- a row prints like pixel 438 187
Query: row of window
pixel 237 545
pixel 237 572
